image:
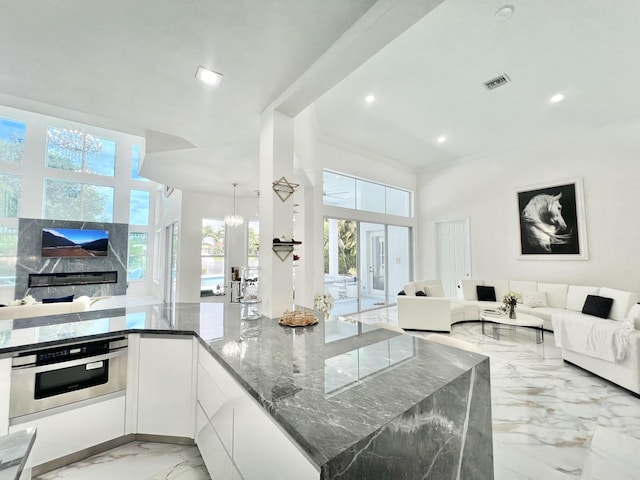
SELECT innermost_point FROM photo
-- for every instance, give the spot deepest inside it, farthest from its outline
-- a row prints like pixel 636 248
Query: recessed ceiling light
pixel 370 98
pixel 208 76
pixel 503 13
pixel 442 139
pixel 558 97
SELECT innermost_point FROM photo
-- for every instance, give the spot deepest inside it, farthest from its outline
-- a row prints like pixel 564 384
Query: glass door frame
pixel 362 262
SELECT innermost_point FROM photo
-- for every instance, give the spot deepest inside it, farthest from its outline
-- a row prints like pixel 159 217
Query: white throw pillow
pixel 409 289
pixel 434 290
pixel 633 317
pixel 534 299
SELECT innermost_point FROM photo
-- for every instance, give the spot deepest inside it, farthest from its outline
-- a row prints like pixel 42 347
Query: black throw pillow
pixel 597 306
pixel 401 292
pixel 68 298
pixel 420 293
pixel 486 294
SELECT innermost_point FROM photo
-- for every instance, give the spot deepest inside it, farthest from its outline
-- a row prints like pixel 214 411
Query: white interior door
pixel 454 254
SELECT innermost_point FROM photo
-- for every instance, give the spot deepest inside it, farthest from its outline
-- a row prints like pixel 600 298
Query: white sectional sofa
pixel 540 299
pixel 13 312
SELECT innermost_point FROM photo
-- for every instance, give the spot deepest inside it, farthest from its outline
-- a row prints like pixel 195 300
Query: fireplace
pixel 59 279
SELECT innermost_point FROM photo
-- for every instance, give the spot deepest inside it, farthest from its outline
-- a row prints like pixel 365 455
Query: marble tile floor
pixel 136 461
pixel 551 420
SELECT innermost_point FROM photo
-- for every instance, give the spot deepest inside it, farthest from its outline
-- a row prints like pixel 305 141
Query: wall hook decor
pixel 284 189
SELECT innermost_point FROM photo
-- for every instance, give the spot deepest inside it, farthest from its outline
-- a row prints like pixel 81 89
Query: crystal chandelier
pixel 75 140
pixel 234 220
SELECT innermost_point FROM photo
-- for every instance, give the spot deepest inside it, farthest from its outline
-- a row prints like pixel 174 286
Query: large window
pixel 81 152
pixel 137 258
pixel 12 140
pixel 64 200
pixel 10 189
pixel 212 255
pixel 253 243
pixel 139 208
pixel 340 190
pixel 8 253
pixel 135 163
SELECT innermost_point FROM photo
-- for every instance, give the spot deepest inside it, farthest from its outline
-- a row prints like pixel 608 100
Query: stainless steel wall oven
pixel 61 375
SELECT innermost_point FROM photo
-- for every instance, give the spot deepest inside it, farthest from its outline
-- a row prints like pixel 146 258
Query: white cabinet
pixel 74 429
pixel 262 450
pixel 5 383
pixel 166 388
pixel 235 432
pixel 216 457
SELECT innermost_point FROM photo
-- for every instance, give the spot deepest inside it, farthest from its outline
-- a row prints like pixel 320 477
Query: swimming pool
pixel 212 281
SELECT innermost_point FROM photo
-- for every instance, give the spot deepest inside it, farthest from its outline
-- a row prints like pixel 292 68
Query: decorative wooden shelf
pixel 284 188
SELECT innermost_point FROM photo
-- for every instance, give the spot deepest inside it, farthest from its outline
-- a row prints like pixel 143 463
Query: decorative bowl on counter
pixel 298 319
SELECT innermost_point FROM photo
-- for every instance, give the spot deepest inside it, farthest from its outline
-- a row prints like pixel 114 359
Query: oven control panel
pixel 64 353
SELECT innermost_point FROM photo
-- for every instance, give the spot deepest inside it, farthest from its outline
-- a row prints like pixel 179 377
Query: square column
pixel 276 216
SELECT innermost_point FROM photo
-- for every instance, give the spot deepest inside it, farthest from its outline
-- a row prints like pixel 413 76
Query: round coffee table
pixel 521 320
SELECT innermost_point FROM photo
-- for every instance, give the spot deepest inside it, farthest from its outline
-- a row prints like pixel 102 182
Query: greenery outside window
pixel 139 208
pixel 253 243
pixel 346 236
pixel 10 190
pixel 12 135
pixel 213 255
pixel 64 200
pixel 80 152
pixel 137 257
pixel 8 255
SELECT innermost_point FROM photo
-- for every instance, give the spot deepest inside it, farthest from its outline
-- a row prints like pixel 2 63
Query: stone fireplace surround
pixel 70 270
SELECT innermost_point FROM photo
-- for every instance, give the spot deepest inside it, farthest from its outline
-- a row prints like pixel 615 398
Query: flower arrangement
pixel 511 298
pixel 323 303
pixel 510 301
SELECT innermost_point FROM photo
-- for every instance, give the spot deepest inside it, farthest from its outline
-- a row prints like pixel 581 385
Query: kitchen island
pixel 355 400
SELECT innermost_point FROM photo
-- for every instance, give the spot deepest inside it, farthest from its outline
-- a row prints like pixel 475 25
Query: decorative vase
pixel 512 311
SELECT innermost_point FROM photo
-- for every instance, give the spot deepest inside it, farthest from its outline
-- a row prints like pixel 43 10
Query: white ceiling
pixel 430 81
pixel 130 65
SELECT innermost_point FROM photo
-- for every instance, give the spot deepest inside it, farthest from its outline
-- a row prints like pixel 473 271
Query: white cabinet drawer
pixel 74 430
pixel 217 409
pixel 211 449
pixel 224 380
pixel 210 396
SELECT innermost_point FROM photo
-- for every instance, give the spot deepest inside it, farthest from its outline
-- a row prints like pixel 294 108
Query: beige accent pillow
pixel 534 299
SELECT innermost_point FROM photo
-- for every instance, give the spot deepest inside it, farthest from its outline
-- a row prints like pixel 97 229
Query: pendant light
pixel 234 220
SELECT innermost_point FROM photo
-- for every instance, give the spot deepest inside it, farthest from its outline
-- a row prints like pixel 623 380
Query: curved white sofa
pixel 433 312
pixel 13 312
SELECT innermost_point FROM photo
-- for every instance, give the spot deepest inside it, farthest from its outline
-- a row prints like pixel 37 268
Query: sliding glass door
pixel 366 264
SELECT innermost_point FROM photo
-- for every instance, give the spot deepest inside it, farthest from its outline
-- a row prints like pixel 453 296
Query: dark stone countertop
pixel 329 385
pixel 14 450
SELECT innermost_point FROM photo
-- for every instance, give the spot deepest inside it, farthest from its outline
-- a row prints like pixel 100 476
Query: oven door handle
pixel 31 369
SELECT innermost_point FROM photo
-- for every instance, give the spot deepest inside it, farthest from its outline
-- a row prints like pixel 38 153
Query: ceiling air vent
pixel 497 82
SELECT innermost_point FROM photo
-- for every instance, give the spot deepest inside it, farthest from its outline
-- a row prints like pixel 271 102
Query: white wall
pixel 485 191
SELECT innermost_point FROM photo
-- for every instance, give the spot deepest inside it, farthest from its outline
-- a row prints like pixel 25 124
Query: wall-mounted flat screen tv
pixel 74 243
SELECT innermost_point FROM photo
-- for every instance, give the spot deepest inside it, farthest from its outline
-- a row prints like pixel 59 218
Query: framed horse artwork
pixel 552 221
